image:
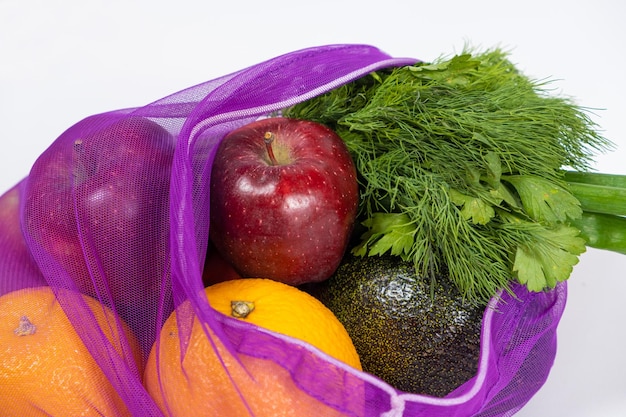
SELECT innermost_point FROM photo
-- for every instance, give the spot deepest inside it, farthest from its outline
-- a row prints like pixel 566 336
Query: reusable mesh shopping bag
pixel 117 208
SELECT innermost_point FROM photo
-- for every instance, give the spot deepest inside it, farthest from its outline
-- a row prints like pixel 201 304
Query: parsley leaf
pixel 545 201
pixel 549 258
pixel 473 208
pixel 387 232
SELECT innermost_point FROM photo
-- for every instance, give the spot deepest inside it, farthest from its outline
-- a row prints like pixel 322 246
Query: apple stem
pixel 269 138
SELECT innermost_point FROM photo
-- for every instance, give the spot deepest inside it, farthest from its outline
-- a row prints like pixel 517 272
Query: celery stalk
pixel 603 200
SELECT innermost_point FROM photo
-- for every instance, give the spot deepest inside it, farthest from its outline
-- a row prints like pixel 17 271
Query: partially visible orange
pixel 198 384
pixel 285 309
pixel 45 369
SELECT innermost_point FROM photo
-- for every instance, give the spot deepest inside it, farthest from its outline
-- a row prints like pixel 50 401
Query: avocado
pixel 416 334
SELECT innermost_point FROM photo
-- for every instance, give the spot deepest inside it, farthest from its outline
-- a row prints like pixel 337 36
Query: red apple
pixel 216 268
pixel 284 198
pixel 96 202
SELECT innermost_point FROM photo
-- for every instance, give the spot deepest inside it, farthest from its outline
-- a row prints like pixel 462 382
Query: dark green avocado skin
pixel 416 334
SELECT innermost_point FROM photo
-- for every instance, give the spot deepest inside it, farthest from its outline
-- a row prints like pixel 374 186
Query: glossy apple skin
pixel 97 206
pixel 290 221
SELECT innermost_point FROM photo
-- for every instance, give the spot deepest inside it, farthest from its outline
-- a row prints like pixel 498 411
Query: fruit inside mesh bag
pixel 118 208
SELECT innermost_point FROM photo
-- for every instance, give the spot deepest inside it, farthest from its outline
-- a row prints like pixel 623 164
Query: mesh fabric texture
pixel 118 208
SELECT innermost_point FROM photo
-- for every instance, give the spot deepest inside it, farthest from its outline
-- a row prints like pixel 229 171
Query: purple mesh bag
pixel 118 208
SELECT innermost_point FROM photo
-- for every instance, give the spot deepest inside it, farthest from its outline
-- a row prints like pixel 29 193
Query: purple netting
pixel 118 208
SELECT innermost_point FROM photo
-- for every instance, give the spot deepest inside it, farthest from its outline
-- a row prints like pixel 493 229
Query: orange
pixel 198 384
pixel 45 369
pixel 287 310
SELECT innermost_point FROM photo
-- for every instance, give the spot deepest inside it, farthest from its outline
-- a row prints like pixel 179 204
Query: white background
pixel 63 60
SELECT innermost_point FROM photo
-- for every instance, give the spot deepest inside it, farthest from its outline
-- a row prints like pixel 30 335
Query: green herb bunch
pixel 462 164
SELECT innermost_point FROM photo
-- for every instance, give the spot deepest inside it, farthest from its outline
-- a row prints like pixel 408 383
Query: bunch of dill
pixel 461 166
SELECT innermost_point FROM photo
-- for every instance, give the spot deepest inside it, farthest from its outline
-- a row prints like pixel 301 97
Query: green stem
pixel 599 198
pixel 603 200
pixel 609 180
pixel 599 193
pixel 603 231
